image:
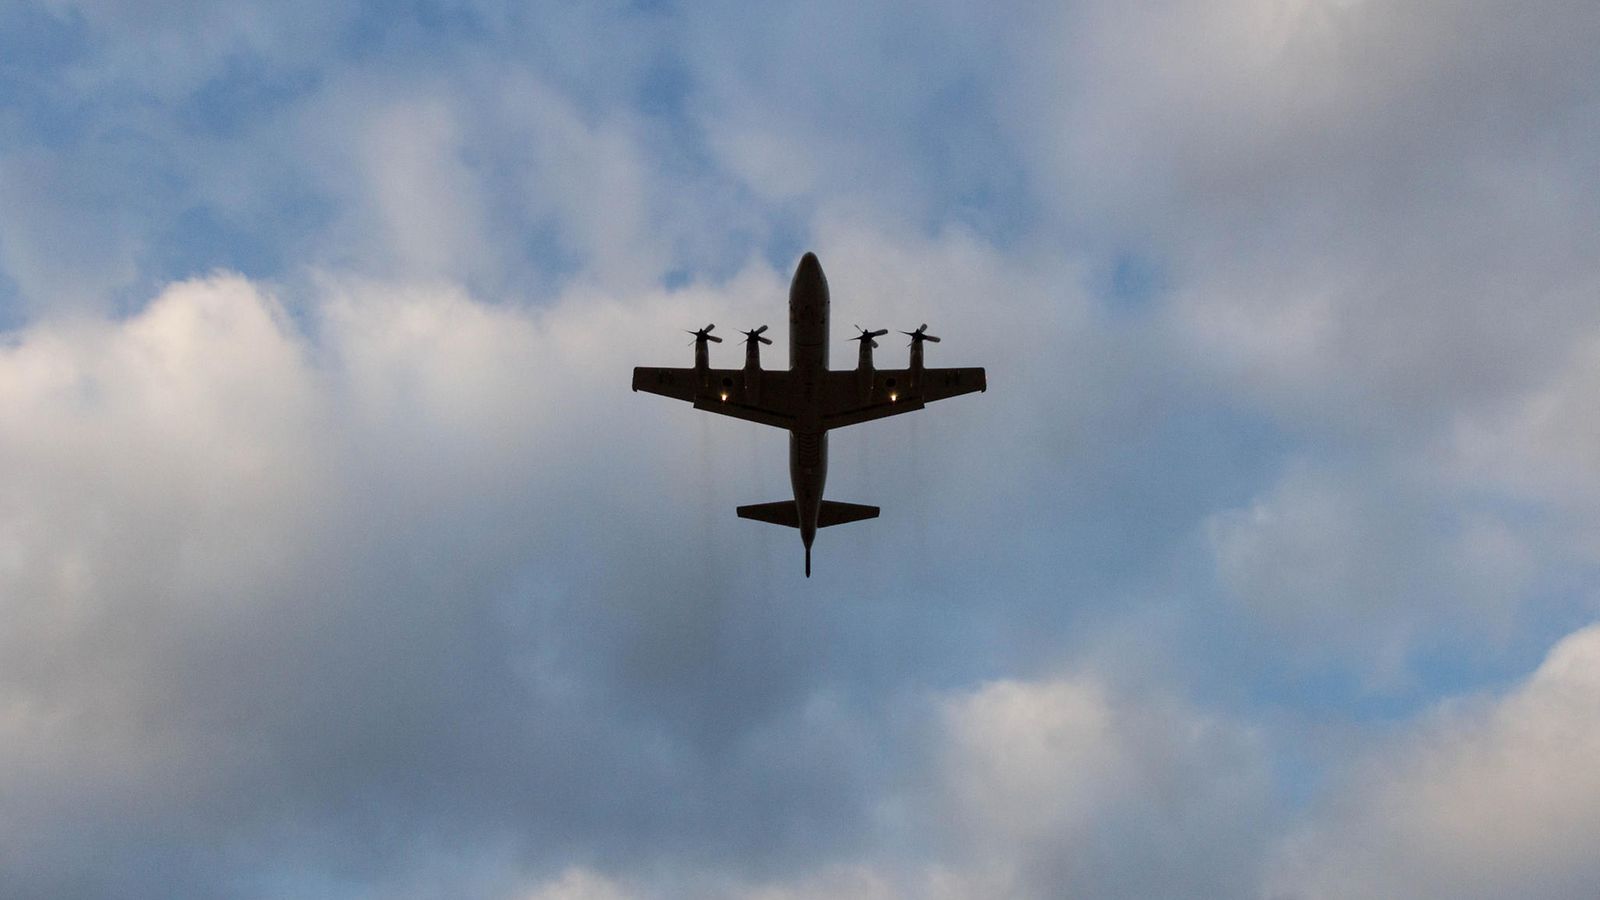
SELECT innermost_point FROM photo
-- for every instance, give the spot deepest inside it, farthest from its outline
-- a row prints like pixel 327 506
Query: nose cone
pixel 809 272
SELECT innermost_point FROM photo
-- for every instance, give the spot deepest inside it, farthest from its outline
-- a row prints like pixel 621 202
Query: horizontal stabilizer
pixel 784 512
pixel 839 513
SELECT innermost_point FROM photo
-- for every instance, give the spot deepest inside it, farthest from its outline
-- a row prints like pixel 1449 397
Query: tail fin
pixel 784 512
pixel 833 513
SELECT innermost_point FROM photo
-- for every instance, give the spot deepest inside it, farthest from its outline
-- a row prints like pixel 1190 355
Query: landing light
pixel 724 395
pixel 893 397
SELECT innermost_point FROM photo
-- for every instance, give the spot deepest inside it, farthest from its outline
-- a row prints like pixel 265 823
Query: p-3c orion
pixel 808 399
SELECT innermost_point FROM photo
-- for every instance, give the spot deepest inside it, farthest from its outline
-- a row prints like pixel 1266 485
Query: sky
pixel 337 559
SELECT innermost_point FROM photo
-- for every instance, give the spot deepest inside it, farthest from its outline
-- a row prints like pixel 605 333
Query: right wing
pixel 833 512
pixel 755 395
pixel 851 397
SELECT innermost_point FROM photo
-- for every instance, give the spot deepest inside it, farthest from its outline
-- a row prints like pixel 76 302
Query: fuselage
pixel 808 359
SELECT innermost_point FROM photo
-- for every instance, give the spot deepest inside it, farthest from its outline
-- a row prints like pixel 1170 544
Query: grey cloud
pixel 348 599
pixel 1365 216
pixel 283 604
pixel 407 569
pixel 1537 444
pixel 1345 565
pixel 1035 789
pixel 1375 230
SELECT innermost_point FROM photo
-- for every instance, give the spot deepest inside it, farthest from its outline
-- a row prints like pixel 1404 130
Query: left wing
pixel 754 395
pixel 850 397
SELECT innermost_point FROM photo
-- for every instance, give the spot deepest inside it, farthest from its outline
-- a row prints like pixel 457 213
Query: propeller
pixel 705 334
pixel 869 337
pixel 920 335
pixel 755 335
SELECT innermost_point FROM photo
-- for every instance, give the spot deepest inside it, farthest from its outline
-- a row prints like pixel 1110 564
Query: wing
pixel 754 395
pixel 853 397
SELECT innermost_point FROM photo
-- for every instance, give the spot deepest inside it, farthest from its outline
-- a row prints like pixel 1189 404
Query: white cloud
pixel 614 204
pixel 1494 797
pixel 193 426
pixel 1064 786
pixel 843 882
pixel 496 180
pixel 200 564
pixel 426 201
pixel 581 884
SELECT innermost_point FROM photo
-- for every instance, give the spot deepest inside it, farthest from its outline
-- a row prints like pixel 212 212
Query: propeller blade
pixel 869 336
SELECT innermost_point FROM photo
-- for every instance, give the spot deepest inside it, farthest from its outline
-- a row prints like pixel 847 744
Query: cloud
pixel 1486 797
pixel 1367 216
pixel 364 573
pixel 1345 565
pixel 212 627
pixel 1062 785
pixel 1031 789
pixel 1536 445
pixel 579 884
pixel 373 580
pixel 162 499
pixel 270 591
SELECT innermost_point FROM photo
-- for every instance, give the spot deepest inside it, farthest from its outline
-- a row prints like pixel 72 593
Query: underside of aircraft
pixel 808 399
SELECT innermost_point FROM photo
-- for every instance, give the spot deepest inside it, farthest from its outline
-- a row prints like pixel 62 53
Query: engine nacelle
pixel 702 340
pixel 917 337
pixel 752 347
pixel 868 341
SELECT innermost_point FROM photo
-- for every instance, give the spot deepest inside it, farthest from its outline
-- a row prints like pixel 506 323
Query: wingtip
pixel 808 562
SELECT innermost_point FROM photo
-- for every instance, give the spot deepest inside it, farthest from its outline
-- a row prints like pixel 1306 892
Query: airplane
pixel 808 399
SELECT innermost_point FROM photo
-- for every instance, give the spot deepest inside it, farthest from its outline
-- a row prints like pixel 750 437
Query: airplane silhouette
pixel 808 399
